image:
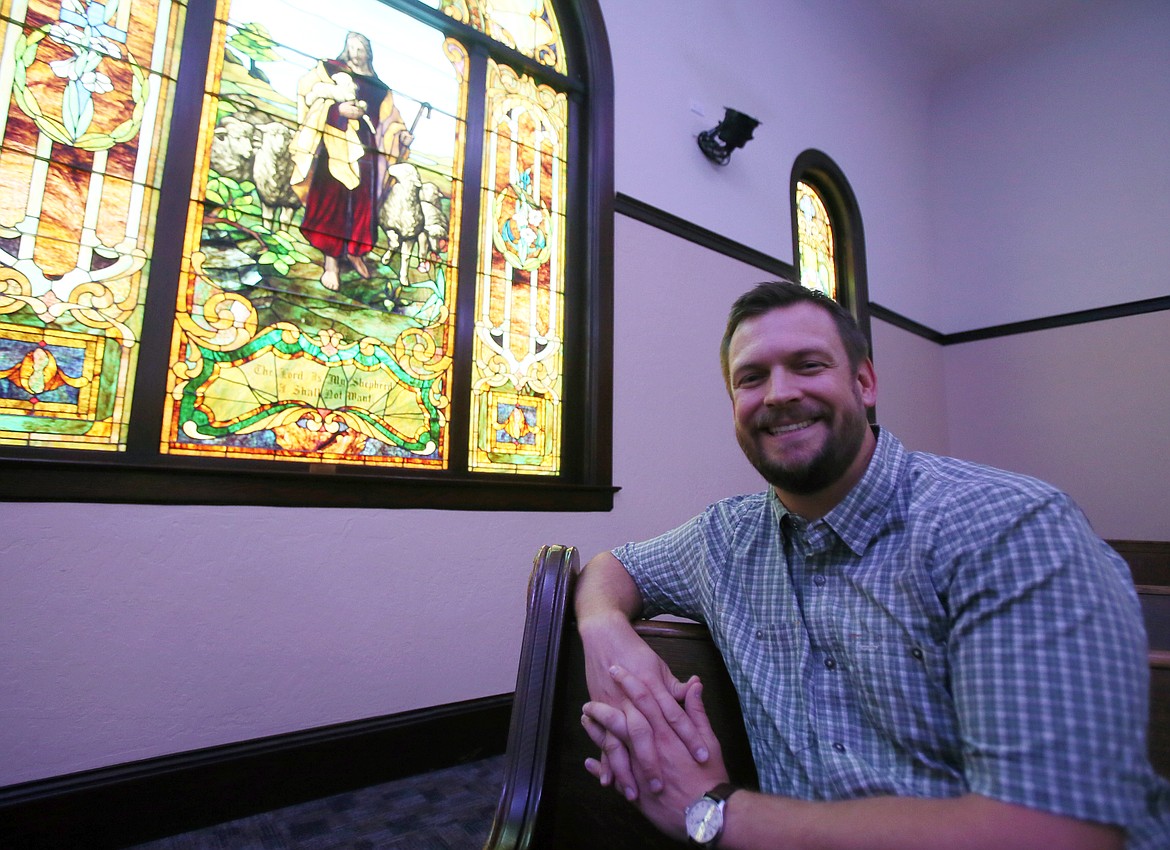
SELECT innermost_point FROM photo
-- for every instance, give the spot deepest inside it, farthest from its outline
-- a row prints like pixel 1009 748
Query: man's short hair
pixel 773 294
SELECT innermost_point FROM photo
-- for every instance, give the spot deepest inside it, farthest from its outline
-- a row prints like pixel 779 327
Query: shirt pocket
pixel 899 680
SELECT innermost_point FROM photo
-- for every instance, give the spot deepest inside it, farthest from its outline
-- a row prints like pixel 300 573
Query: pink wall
pixel 1050 180
pixel 911 388
pixel 1086 407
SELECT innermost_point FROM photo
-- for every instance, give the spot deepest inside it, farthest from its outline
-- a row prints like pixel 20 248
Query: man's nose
pixel 782 388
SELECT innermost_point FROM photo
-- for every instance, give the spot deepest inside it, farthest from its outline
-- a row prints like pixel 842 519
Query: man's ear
pixel 867 382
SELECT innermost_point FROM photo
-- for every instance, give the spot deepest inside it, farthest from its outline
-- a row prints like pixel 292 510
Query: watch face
pixel 704 820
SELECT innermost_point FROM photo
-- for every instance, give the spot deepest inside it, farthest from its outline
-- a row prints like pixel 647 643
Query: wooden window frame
pixel 142 474
pixel 818 170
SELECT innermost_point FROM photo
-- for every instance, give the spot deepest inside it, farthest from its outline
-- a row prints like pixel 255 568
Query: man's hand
pixel 606 600
pixel 615 643
pixel 641 734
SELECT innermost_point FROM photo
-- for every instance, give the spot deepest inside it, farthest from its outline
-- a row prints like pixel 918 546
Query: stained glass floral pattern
pixel 88 86
pixel 517 370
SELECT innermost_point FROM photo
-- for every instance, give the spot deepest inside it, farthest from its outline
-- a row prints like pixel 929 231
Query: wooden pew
pixel 1149 562
pixel 549 800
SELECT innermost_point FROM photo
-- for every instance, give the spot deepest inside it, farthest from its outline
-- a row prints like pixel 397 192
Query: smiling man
pixel 928 652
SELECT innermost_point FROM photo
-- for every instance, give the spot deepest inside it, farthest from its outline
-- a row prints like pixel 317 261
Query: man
pixel 929 653
pixel 340 155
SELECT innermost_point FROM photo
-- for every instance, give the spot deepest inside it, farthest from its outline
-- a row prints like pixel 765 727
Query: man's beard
pixel 823 469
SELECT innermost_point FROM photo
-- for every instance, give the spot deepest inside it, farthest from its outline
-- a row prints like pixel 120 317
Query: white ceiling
pixel 953 34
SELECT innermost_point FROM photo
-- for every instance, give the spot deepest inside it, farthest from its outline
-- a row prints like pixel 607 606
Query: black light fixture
pixel 732 132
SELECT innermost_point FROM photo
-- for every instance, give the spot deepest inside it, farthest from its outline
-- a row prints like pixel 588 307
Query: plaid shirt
pixel 946 628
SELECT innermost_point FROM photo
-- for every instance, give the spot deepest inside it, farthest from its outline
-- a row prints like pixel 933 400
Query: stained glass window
pixel 372 271
pixel 828 240
pixel 316 302
pixel 88 91
pixel 818 268
pixel 516 373
pixel 529 26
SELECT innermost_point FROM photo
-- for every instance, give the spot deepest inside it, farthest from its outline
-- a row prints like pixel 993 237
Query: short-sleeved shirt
pixel 947 628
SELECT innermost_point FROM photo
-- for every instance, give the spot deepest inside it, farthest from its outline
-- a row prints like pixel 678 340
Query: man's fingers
pixel 659 707
pixel 697 712
pixel 607 728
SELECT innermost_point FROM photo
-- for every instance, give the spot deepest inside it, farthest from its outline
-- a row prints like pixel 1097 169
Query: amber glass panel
pixel 315 316
pixel 88 88
pixel 529 26
pixel 818 269
pixel 517 373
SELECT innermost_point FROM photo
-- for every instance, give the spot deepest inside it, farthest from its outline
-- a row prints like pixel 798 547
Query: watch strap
pixel 721 792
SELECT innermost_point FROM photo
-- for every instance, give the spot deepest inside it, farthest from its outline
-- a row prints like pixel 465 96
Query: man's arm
pixel 607 599
pixel 757 821
pixel 970 822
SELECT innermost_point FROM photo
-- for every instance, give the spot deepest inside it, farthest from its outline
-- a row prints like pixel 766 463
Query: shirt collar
pixel 860 515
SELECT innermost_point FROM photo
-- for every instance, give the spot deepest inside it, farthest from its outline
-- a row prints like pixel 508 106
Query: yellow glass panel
pixel 88 88
pixel 818 268
pixel 316 305
pixel 517 371
pixel 529 26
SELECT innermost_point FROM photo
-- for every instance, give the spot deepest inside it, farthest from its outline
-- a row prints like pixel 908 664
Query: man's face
pixel 355 50
pixel 799 407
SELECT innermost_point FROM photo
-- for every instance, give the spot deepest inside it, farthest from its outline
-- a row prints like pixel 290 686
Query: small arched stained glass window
pixel 818 268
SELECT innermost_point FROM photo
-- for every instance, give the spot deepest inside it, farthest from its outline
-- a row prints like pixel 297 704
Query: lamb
pixel 341 90
pixel 272 173
pixel 401 215
pixel 232 149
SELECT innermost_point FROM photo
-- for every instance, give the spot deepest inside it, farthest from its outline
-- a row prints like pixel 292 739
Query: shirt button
pixel 830 663
pixel 819 580
pixel 760 634
pixel 917 653
pixel 838 746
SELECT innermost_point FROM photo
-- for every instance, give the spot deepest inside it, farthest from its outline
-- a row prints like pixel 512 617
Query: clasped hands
pixel 657 746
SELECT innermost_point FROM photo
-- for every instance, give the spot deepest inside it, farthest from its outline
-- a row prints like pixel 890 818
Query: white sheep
pixel 232 149
pixel 401 215
pixel 272 173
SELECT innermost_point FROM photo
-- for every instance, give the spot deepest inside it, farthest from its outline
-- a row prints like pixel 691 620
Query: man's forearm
pixel 605 588
pixel 972 822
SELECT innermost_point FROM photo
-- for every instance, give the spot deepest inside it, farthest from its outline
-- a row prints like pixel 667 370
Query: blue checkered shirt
pixel 947 628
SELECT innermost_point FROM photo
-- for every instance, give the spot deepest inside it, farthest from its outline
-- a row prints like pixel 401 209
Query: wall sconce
pixel 732 132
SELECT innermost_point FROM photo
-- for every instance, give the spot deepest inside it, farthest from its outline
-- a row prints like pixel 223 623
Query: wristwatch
pixel 705 815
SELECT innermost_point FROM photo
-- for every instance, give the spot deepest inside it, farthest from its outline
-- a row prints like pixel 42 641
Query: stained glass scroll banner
pixel 315 313
pixel 88 87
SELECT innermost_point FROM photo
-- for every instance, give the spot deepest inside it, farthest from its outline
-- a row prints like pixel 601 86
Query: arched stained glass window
pixel 818 267
pixel 828 241
pixel 369 276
